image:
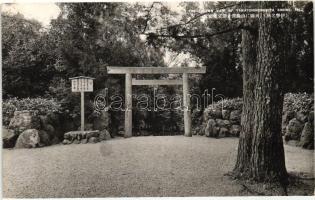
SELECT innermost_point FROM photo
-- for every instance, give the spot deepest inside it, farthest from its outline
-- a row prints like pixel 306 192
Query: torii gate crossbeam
pixel 128 71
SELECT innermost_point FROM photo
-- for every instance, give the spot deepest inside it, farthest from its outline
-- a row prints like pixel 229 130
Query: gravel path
pixel 138 166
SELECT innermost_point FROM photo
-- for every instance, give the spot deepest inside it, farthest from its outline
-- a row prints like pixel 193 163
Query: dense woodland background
pixel 87 37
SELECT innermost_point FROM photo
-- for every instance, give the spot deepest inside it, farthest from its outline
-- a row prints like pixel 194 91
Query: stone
pixel 226 114
pixel 44 121
pixel 307 136
pixel 44 138
pixel 287 117
pixel 55 140
pixel 50 129
pixel 215 113
pixel 216 131
pixel 90 134
pixel 93 140
pixel 84 141
pixel 121 133
pixel 197 130
pixel 310 117
pixel 66 136
pixel 202 129
pixel 28 139
pixel 65 141
pixel 104 135
pixel 23 120
pixel 210 127
pixel 223 123
pixel 293 130
pixel 220 122
pixel 205 115
pixel 224 132
pixel 8 138
pixel 79 135
pixel 235 130
pixel 76 141
pixel 226 123
pixel 101 120
pixel 301 116
pixel 235 116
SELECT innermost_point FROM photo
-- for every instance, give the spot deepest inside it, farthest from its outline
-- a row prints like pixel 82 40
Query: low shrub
pixel 41 105
pixel 228 104
pixel 298 102
pixel 292 102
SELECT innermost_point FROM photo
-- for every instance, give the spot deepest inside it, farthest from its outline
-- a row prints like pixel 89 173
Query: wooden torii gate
pixel 128 71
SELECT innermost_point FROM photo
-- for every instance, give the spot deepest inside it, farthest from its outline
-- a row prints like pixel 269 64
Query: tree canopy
pixel 88 36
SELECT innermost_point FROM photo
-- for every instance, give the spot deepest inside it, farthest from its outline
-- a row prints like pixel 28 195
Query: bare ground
pixel 139 166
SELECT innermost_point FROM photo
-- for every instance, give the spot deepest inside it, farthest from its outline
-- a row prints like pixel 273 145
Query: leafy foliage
pixel 227 104
pixel 195 33
pixel 299 76
pixel 40 105
pixel 87 37
pixel 90 36
pixel 27 61
pixel 298 102
pixel 292 102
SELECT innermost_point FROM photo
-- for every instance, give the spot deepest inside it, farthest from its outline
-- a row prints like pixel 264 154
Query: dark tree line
pixel 260 59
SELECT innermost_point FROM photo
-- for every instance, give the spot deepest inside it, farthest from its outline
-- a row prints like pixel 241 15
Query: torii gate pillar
pixel 128 71
pixel 128 105
pixel 187 109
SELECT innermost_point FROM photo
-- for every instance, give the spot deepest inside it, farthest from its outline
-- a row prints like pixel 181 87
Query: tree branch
pixel 148 17
pixel 206 35
pixel 199 15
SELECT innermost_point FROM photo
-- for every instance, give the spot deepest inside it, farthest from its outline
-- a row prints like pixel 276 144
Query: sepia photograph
pixel 157 99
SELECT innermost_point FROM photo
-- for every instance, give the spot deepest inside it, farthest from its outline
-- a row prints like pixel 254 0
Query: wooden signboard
pixel 82 84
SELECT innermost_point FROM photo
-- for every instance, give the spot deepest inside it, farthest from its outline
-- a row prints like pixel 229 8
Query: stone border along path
pixel 137 166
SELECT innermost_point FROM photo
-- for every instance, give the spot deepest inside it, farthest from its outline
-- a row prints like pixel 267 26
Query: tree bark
pixel 247 121
pixel 267 160
pixel 261 154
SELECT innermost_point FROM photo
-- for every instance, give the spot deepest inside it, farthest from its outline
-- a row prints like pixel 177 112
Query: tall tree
pixel 264 43
pixel 25 50
pixel 261 153
pixel 90 36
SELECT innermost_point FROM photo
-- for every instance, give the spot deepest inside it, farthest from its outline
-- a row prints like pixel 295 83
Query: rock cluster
pixel 220 123
pixel 49 128
pixel 27 129
pixel 298 128
pixel 23 120
pixel 28 139
pixel 8 138
pixel 83 137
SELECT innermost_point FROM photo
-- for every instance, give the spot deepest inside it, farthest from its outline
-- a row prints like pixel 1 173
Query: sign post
pixel 82 84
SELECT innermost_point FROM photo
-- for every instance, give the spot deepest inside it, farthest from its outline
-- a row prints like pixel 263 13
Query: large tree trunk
pixel 267 161
pixel 260 153
pixel 247 122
